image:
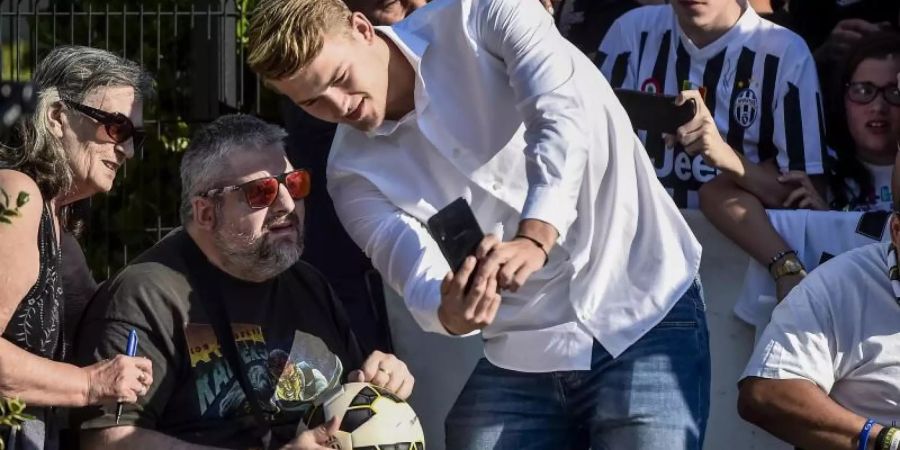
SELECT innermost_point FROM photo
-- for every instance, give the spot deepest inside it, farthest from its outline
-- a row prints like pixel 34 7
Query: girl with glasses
pixel 863 129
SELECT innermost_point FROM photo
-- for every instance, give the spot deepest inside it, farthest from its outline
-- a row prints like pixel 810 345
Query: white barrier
pixel 441 365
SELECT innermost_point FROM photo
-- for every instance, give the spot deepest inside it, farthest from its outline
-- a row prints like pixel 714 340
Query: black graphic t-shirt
pixel 291 334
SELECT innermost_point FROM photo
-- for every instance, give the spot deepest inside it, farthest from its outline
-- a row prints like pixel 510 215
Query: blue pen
pixel 130 350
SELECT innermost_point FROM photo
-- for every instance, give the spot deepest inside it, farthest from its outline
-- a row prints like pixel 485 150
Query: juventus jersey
pixel 760 85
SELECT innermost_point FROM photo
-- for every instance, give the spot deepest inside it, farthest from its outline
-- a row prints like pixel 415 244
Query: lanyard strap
pixel 210 299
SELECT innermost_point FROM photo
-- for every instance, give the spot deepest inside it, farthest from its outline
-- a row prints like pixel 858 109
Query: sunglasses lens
pixel 120 130
pixel 298 183
pixel 261 193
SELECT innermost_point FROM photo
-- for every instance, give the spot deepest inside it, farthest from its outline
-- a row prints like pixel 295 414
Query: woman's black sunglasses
pixel 119 127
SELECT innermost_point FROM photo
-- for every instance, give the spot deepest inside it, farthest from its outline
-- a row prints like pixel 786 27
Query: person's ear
pixel 362 27
pixel 204 212
pixel 56 119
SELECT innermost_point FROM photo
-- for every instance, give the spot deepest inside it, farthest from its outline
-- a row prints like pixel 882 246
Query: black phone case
pixel 456 232
pixel 653 112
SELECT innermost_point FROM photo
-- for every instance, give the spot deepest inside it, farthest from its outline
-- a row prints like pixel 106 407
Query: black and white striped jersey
pixel 760 82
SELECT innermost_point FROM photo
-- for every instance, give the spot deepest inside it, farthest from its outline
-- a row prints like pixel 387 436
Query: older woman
pixel 86 124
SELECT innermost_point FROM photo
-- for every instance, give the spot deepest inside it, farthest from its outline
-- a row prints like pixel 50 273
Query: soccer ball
pixel 372 418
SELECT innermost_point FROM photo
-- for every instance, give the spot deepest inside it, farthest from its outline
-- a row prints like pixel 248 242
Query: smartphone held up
pixel 655 112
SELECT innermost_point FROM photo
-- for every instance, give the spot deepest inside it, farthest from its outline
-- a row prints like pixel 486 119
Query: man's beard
pixel 258 259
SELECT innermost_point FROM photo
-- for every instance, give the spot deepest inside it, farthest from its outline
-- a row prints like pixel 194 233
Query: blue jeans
pixel 655 395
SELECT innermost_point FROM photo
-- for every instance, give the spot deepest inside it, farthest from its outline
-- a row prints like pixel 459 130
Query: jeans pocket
pixel 687 311
pixel 670 324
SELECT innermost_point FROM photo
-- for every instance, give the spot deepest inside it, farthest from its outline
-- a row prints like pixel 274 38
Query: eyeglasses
pixel 118 127
pixel 262 192
pixel 864 92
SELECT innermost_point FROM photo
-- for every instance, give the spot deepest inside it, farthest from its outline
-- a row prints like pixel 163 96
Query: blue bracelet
pixel 864 434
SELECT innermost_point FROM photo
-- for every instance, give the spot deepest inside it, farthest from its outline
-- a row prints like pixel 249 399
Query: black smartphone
pixel 456 231
pixel 654 112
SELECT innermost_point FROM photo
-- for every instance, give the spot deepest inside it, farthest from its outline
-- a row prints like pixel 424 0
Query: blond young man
pixel 586 289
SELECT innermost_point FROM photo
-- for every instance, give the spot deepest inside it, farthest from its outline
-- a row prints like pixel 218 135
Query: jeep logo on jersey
pixel 745 107
pixel 684 166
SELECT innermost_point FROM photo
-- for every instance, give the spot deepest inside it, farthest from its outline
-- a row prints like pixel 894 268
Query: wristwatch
pixel 788 265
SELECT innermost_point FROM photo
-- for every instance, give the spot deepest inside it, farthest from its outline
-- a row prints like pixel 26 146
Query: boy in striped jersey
pixel 759 112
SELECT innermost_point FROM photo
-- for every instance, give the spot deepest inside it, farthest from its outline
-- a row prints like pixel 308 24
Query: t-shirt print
pixel 290 379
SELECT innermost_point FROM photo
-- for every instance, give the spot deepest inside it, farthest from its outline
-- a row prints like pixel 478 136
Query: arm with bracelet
pixel 787 271
pixel 802 382
pixel 801 413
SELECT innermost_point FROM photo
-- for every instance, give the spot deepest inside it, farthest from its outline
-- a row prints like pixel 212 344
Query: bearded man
pixel 232 271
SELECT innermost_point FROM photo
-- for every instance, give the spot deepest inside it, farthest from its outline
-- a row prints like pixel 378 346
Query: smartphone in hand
pixel 654 112
pixel 456 232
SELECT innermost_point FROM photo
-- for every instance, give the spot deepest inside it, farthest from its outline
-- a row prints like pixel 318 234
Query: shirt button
pixel 583 317
pixel 455 152
pixel 496 186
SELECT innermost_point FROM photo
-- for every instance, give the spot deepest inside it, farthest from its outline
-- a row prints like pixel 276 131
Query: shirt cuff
pixel 551 204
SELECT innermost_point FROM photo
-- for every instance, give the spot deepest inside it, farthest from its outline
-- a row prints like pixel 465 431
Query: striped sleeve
pixel 799 135
pixel 617 56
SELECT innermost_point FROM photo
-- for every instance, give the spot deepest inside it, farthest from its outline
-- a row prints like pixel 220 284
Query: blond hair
pixel 285 35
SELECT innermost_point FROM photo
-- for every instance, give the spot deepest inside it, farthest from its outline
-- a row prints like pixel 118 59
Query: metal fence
pixel 195 52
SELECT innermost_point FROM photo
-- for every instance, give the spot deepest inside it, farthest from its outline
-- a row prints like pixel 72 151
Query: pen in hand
pixel 130 350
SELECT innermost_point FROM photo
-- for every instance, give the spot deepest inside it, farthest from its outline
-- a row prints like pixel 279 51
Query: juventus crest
pixel 745 108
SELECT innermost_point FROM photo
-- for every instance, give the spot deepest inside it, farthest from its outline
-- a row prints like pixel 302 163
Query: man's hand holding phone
pixel 700 136
pixel 464 311
pixel 469 302
pixel 482 265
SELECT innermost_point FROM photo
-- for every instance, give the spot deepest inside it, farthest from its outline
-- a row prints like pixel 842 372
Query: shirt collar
pixel 747 23
pixel 894 272
pixel 413 48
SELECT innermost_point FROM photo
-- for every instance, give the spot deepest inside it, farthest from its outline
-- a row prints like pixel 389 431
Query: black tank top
pixel 36 325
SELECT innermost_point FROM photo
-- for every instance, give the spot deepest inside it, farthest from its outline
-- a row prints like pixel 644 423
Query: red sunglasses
pixel 262 192
pixel 118 127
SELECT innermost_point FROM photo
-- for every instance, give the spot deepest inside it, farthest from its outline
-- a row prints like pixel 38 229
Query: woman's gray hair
pixel 68 72
pixel 205 162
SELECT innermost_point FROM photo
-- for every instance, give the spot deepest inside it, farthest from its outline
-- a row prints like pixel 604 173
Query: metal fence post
pixel 214 62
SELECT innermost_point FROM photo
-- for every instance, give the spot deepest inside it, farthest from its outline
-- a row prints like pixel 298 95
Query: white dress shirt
pixel 515 119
